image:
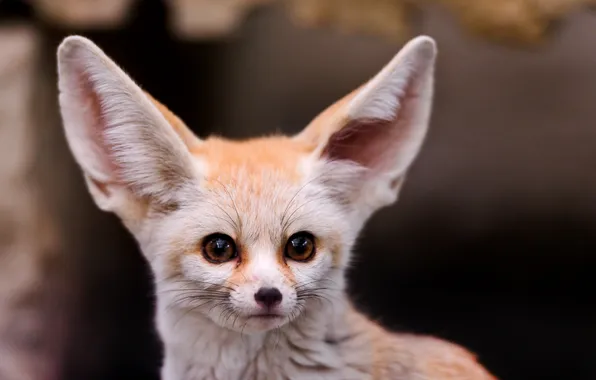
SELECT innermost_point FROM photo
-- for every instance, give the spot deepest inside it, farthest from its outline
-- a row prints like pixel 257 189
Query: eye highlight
pixel 300 247
pixel 219 248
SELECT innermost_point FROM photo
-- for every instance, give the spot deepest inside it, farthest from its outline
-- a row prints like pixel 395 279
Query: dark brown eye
pixel 300 246
pixel 219 248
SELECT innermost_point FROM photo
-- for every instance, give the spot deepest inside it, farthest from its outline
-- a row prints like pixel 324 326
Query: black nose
pixel 268 297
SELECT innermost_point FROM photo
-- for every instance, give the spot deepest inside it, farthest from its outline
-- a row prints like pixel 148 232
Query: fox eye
pixel 300 247
pixel 219 248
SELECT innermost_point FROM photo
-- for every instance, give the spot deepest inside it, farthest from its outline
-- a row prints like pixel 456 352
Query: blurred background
pixel 492 244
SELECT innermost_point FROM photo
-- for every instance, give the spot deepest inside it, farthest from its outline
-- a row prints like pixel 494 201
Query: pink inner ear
pixel 372 143
pixel 364 142
pixel 96 126
pixel 377 144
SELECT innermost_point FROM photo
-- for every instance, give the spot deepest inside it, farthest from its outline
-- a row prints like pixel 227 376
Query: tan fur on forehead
pixel 278 154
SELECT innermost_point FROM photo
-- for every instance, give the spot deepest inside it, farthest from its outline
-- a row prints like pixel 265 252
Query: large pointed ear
pixel 380 126
pixel 128 145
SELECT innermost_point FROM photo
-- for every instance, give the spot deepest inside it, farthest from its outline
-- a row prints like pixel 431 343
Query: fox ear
pixel 380 126
pixel 125 142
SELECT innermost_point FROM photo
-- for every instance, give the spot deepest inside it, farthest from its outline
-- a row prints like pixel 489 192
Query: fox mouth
pixel 265 316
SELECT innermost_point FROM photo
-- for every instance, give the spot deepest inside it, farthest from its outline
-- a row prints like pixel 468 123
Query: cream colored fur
pixel 171 189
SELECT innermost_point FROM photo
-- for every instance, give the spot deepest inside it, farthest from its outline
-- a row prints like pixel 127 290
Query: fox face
pixel 265 238
pixel 249 234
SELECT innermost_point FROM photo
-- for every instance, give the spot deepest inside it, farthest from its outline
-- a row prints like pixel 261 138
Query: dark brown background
pixel 492 244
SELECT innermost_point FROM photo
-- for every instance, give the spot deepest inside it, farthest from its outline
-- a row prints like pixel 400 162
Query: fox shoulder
pixel 432 358
pixel 411 357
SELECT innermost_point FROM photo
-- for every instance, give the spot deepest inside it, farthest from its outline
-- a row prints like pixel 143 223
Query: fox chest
pixel 282 362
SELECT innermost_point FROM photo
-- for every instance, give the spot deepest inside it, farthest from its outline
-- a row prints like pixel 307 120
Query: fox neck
pixel 196 347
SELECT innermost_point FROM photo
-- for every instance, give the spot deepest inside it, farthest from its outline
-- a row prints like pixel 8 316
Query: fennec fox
pixel 249 240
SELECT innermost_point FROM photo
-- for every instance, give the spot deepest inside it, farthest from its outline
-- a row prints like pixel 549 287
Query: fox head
pixel 252 233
